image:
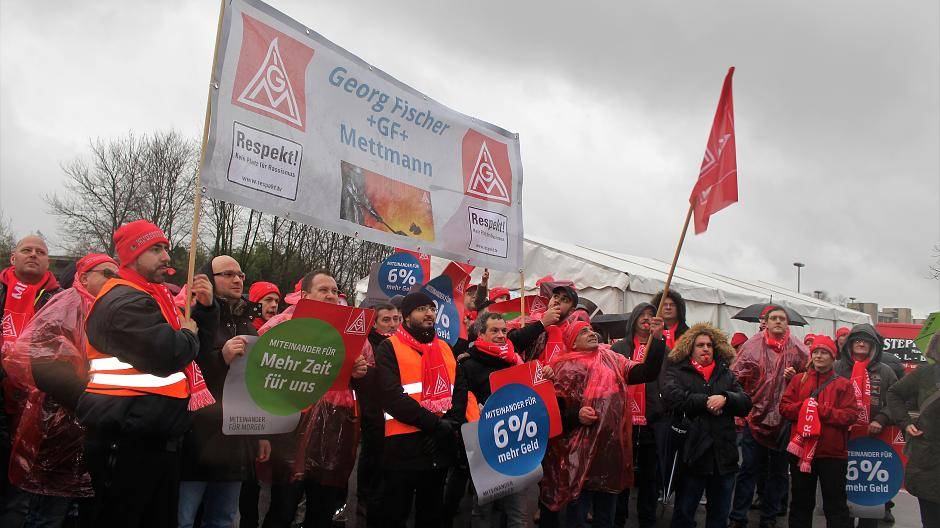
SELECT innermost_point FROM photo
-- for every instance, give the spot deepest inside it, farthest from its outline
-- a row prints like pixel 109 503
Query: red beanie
pixel 825 342
pixel 571 333
pixel 842 331
pixel 91 260
pixel 808 340
pixel 261 289
pixel 498 292
pixel 130 240
pixel 738 339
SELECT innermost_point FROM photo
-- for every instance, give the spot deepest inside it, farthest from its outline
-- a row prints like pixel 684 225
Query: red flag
pixel 717 185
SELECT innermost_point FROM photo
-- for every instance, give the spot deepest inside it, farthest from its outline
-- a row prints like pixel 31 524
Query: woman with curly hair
pixel 705 397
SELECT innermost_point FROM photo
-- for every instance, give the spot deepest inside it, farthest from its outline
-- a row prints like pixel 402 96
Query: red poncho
pixel 47 454
pixel 598 457
pixel 327 435
pixel 760 368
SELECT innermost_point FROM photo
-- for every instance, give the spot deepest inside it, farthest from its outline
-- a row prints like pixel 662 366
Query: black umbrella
pixel 752 313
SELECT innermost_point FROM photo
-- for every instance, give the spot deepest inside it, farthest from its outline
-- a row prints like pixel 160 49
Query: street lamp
pixel 798 266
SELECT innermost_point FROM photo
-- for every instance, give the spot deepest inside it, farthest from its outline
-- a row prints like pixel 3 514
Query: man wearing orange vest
pixel 416 374
pixel 143 383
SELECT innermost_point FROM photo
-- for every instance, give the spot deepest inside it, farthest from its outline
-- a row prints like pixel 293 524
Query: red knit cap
pixel 91 260
pixel 571 333
pixel 261 289
pixel 498 292
pixel 130 240
pixel 842 331
pixel 808 340
pixel 825 342
pixel 738 339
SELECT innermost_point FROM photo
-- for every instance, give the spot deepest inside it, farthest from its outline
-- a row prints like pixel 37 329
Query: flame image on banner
pixel 270 75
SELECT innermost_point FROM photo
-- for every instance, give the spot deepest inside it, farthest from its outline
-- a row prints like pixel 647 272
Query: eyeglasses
pixel 107 273
pixel 230 274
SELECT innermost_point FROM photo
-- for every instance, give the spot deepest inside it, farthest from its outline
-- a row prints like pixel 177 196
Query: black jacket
pixel 370 406
pixel 127 324
pixel 427 448
pixel 882 376
pixel 655 410
pixel 711 442
pixel 478 366
pixel 209 455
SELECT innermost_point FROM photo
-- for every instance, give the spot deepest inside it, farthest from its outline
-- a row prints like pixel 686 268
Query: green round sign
pixel 293 365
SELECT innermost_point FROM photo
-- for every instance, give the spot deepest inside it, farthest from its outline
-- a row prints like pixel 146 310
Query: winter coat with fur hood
pixel 710 446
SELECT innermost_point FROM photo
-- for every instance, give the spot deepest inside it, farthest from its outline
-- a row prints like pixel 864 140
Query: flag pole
pixel 672 269
pixel 197 205
pixel 522 293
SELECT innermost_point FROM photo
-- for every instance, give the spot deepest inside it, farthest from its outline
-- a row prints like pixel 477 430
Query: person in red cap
pixel 499 294
pixel 592 461
pixel 737 340
pixel 25 287
pixel 821 406
pixel 49 359
pixel 143 382
pixel 268 296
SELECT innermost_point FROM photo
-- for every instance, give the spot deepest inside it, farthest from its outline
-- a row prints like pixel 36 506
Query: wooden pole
pixel 672 269
pixel 197 206
pixel 522 294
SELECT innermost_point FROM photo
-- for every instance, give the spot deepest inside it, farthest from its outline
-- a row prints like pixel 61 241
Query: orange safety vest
pixel 409 367
pixel 109 375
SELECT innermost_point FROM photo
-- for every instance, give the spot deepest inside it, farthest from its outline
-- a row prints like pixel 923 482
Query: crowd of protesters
pixel 112 391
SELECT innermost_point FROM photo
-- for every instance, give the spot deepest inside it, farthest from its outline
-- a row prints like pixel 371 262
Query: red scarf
pixel 806 434
pixel 436 385
pixel 505 352
pixel 669 334
pixel 705 371
pixel 20 303
pixel 199 395
pixel 777 345
pixel 554 343
pixel 258 322
pixel 638 392
pixel 861 382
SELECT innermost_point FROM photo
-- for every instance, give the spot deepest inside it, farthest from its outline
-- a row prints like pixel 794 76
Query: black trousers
pixel 136 483
pixel 322 503
pixel 248 503
pixel 368 475
pixel 401 487
pixel 646 481
pixel 830 473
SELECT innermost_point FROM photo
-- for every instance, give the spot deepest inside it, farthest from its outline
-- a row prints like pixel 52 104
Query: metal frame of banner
pixel 197 206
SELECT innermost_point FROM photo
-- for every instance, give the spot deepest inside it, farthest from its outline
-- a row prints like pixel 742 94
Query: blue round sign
pixel 874 474
pixel 447 319
pixel 513 430
pixel 399 273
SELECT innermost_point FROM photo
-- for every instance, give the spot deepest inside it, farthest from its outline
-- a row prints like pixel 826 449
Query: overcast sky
pixel 836 103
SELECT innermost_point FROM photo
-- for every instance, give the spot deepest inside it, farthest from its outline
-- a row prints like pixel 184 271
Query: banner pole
pixel 522 294
pixel 672 269
pixel 197 205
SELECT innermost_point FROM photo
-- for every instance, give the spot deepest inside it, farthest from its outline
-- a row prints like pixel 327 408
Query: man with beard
pixel 551 325
pixel 49 358
pixel 268 298
pixel 648 412
pixel 215 464
pixel 317 458
pixel 768 360
pixel 421 396
pixel 144 383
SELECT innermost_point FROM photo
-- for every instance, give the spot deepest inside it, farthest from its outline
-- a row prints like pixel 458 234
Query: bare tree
pixel 7 240
pixel 169 184
pixel 935 268
pixel 100 194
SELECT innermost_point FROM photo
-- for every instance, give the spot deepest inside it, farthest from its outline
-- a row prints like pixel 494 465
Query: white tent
pixel 616 282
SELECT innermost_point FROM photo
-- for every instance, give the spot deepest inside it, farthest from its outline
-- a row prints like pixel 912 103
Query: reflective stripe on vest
pixel 409 368
pixel 109 375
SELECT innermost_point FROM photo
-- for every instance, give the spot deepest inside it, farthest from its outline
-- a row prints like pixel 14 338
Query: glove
pixel 445 429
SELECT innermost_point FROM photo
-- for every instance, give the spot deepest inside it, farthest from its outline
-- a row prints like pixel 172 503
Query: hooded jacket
pixel 711 444
pixel 209 455
pixel 680 307
pixel 838 409
pixel 654 403
pixel 881 375
pixel 922 472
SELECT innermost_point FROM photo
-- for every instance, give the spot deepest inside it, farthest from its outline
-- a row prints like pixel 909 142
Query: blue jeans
pixel 754 457
pixel 718 490
pixel 603 506
pixel 219 503
pixel 515 507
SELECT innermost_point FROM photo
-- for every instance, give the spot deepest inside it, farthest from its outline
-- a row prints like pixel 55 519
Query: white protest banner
pixel 305 130
pixel 292 366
